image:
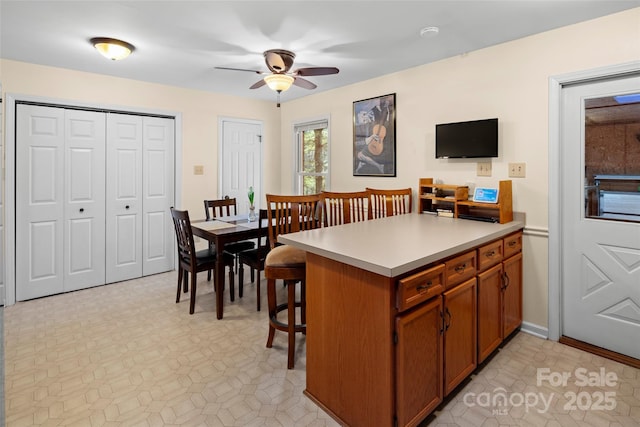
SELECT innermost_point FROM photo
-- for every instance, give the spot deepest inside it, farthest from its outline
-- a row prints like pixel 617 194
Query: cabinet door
pixel 489 311
pixel 419 362
pixel 460 346
pixel 512 294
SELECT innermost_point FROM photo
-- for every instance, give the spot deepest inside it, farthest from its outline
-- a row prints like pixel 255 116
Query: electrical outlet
pixel 198 170
pixel 517 170
pixel 484 169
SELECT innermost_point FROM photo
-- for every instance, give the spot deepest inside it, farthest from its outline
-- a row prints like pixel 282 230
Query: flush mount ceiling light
pixel 113 49
pixel 279 82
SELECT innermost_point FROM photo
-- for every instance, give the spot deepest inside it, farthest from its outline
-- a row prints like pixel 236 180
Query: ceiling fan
pixel 280 77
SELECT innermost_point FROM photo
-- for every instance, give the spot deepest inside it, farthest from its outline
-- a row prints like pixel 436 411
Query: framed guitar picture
pixel 374 136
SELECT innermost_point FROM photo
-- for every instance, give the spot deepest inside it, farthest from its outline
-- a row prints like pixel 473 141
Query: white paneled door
pixel 93 192
pixel 241 165
pixel 84 214
pixel 124 197
pixel 60 200
pixel 157 183
pixel 600 257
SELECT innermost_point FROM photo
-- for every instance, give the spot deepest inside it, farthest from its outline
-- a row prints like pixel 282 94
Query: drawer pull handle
pixel 460 268
pixel 490 253
pixel 424 287
pixel 512 243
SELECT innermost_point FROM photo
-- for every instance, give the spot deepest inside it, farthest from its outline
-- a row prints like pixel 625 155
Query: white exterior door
pixel 124 197
pixel 600 257
pixel 84 187
pixel 241 162
pixel 158 182
pixel 39 201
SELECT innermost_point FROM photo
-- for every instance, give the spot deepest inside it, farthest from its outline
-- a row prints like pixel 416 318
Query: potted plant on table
pixel 252 208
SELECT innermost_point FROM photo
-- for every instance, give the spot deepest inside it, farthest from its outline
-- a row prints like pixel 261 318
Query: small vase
pixel 252 213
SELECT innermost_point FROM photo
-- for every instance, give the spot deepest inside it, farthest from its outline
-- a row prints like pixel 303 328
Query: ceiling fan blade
pixel 239 69
pixel 258 84
pixel 303 83
pixel 316 71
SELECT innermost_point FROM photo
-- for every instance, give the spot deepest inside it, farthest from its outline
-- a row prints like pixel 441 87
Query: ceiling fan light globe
pixel 279 82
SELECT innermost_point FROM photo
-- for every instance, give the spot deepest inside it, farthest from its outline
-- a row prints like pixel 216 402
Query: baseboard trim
pixel 599 351
pixel 535 330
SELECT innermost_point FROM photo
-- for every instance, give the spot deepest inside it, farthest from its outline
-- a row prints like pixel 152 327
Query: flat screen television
pixel 477 138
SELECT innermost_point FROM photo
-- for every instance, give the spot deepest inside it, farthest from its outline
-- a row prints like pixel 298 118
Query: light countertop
pixel 396 245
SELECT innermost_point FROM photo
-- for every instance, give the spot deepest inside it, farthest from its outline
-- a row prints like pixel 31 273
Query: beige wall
pixel 508 81
pixel 200 112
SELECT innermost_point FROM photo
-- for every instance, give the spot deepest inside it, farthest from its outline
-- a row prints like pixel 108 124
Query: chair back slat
pixel 384 203
pixel 290 214
pixel 344 207
pixel 220 207
pixel 184 237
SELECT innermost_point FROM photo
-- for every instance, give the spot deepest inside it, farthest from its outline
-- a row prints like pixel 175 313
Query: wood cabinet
pixel 419 364
pixel 499 292
pixel 459 334
pixel 385 349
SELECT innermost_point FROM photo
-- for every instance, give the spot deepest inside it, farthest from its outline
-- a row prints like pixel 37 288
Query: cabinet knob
pixel 126 207
pixel 81 210
pixel 512 243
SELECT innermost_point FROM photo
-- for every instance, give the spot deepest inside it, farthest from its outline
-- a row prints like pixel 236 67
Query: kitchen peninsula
pixel 400 308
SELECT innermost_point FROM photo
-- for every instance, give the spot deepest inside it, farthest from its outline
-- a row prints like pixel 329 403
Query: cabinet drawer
pixel 460 268
pixel 420 287
pixel 512 244
pixel 489 255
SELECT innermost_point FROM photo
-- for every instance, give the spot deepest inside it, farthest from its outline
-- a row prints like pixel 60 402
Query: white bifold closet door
pixel 139 194
pixel 93 192
pixel 60 204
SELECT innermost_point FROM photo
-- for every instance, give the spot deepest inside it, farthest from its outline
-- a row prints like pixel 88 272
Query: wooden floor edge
pixel 324 408
pixel 599 351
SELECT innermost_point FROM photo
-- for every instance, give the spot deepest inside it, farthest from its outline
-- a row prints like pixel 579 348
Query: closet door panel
pixel 85 205
pixel 123 197
pixel 39 201
pixel 158 195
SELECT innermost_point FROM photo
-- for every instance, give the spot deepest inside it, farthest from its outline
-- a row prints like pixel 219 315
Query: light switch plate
pixel 517 170
pixel 484 169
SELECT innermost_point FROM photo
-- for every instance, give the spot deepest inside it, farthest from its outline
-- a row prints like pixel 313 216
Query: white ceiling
pixel 180 42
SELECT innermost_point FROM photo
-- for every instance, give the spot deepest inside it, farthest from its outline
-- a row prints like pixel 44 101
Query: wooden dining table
pixel 222 231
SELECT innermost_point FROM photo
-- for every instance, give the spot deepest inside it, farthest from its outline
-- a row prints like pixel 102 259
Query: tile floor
pixel 126 355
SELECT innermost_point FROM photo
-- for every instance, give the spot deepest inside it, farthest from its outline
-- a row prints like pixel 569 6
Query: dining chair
pixel 255 258
pixel 192 261
pixel 227 207
pixel 288 214
pixel 344 207
pixel 384 203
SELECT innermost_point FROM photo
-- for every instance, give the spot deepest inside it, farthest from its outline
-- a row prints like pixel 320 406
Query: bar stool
pixel 288 214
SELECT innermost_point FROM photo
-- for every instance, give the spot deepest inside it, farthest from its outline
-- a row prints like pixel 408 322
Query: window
pixel 312 156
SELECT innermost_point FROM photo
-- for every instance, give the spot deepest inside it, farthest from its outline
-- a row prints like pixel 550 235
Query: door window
pixel 612 157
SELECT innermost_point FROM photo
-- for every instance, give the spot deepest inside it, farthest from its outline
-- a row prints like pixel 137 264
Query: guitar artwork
pixel 376 140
